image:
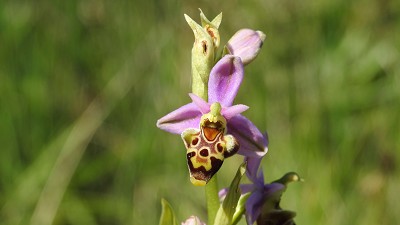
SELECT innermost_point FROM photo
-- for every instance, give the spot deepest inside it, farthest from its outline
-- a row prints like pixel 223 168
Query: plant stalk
pixel 212 199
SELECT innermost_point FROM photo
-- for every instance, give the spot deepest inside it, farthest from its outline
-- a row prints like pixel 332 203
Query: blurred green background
pixel 82 84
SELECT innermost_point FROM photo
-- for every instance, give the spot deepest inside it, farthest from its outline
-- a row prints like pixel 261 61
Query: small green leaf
pixel 204 20
pixel 240 208
pixel 214 23
pixel 228 207
pixel 167 214
pixel 217 20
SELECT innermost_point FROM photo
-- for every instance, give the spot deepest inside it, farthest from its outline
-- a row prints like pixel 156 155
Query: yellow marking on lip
pixel 197 182
pixel 196 164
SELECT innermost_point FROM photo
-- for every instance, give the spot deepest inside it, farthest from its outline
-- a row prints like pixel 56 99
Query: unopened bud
pixel 246 44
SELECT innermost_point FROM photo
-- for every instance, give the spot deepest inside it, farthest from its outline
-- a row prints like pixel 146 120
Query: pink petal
pixel 202 105
pixel 257 199
pixel 232 111
pixel 253 206
pixel 187 116
pixel 246 188
pixel 222 193
pixel 225 79
pixel 252 142
pixel 253 170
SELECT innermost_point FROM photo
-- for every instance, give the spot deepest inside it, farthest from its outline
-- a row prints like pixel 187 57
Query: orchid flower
pixel 263 203
pixel 245 44
pixel 215 129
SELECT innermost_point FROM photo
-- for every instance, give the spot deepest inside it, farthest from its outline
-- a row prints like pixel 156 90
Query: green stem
pixel 212 199
pixel 202 62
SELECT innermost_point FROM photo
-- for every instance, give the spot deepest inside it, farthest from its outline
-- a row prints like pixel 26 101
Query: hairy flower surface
pixel 217 124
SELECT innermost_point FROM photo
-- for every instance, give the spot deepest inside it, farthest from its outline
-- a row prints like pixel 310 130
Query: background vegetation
pixel 82 83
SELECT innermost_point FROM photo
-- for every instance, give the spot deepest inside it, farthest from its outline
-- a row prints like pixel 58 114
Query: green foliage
pixel 82 84
pixel 167 214
pixel 228 207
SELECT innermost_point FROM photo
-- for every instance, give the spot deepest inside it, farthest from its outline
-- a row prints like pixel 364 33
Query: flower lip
pixel 212 129
pixel 200 176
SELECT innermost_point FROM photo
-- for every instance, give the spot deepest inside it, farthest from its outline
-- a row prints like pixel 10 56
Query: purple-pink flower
pixel 223 85
pixel 263 203
pixel 260 192
pixel 224 82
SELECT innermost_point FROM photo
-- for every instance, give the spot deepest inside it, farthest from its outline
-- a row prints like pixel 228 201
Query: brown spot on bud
pixel 204 44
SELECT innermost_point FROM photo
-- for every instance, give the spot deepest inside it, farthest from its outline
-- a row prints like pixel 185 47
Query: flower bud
pixel 193 220
pixel 246 44
pixel 212 27
pixel 202 58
